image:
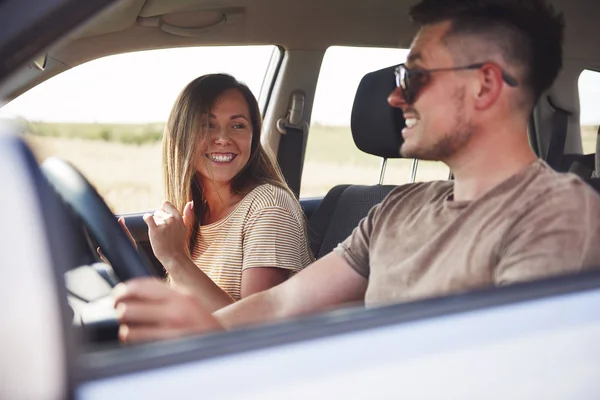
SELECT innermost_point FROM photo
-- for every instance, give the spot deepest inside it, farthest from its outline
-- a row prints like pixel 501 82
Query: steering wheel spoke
pixel 85 202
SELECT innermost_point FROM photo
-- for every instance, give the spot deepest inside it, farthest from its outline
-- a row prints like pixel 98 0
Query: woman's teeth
pixel 221 157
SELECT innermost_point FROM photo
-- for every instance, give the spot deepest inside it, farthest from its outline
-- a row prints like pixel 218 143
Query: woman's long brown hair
pixel 184 135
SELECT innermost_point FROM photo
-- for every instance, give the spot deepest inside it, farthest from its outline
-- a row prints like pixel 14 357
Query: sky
pixel 141 87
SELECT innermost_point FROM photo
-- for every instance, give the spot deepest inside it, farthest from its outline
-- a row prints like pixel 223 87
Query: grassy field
pixel 129 177
pixel 588 139
pixel 124 161
pixel 122 133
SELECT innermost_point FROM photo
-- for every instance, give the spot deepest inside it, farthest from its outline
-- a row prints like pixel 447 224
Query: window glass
pixel 107 116
pixel 399 171
pixel 589 106
pixel 432 171
pixel 332 158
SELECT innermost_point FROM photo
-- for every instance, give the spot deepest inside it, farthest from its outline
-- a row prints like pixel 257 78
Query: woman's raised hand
pixel 168 231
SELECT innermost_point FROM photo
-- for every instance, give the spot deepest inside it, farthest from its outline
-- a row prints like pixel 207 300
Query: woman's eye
pixel 238 126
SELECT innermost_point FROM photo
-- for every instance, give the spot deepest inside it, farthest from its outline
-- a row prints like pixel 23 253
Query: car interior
pixel 302 32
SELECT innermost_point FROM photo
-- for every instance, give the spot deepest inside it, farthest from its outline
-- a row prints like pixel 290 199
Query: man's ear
pixel 490 86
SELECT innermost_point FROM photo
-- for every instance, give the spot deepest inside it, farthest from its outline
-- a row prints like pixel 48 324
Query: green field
pixel 124 161
pixel 322 139
pixel 334 144
pixel 122 133
pixel 588 139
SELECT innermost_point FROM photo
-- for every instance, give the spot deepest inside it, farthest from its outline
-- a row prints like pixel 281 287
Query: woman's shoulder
pixel 268 196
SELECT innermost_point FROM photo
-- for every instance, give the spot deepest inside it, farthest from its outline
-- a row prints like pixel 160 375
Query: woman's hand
pixel 168 231
pixel 149 309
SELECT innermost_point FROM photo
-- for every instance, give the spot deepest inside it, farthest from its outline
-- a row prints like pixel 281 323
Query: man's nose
pixel 395 99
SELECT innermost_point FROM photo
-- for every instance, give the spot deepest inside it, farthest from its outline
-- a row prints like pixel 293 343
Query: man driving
pixel 475 70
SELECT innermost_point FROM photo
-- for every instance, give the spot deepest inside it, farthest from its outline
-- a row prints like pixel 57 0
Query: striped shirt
pixel 266 229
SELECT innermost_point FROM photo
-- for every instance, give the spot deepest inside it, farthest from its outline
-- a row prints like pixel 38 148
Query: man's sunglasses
pixel 412 80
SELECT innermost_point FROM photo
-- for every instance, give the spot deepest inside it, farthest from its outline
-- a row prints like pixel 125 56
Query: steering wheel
pixel 98 219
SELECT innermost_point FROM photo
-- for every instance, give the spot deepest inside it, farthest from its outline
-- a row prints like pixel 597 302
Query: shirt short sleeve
pixel 355 249
pixel 559 235
pixel 275 238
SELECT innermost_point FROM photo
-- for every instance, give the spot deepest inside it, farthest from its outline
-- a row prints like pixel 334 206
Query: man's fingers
pixel 134 312
pixel 149 309
pixel 146 333
pixel 150 289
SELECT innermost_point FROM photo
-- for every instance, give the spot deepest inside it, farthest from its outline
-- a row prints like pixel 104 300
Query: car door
pixel 531 340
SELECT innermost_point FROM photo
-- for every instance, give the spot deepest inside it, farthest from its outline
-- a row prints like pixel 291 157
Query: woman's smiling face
pixel 227 144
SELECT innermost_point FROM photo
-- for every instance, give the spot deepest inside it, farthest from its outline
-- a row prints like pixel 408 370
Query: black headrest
pixel 377 127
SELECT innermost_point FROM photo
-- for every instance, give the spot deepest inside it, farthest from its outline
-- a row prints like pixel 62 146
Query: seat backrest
pixel 341 210
pixel 376 129
pixel 582 165
pixel 594 183
pixel 586 166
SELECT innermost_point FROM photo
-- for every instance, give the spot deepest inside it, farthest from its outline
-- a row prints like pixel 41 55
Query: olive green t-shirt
pixel 420 243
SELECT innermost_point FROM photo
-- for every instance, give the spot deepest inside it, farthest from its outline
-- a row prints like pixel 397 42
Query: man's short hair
pixel 528 34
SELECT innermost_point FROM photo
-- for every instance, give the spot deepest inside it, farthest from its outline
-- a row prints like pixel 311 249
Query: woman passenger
pixel 230 226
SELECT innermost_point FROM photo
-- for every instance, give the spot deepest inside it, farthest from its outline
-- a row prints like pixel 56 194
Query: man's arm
pixel 150 310
pixel 328 282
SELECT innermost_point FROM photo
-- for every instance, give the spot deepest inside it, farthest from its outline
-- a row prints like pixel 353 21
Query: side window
pixel 589 106
pixel 107 116
pixel 332 158
pixel 425 171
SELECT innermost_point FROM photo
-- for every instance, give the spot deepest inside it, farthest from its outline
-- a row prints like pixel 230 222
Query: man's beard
pixel 450 142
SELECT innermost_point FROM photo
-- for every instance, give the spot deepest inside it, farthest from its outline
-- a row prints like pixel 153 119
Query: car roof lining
pixel 382 23
pixel 323 23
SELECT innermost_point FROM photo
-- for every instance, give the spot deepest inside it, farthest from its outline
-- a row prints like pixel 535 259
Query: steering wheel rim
pixel 83 199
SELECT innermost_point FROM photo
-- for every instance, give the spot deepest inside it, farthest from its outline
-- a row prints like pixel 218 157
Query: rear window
pixel 589 106
pixel 332 158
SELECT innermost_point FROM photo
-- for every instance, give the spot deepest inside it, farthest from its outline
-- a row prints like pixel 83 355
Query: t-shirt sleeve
pixel 560 235
pixel 355 249
pixel 274 238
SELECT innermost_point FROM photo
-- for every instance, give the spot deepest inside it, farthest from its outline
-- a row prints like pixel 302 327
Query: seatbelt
pixel 292 144
pixel 291 158
pixel 556 147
